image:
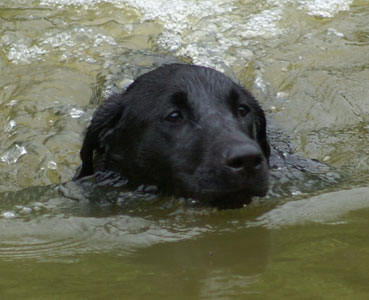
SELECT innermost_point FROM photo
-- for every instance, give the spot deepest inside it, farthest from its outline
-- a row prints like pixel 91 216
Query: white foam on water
pixel 175 18
pixel 263 24
pixel 22 53
pixel 205 31
pixel 62 39
pixel 188 23
pixel 72 43
pixel 86 3
pixel 321 8
pixel 325 8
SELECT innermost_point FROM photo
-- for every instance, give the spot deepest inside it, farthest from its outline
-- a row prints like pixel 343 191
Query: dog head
pixel 189 130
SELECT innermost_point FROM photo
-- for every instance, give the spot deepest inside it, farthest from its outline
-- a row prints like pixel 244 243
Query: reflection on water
pixel 323 208
pixel 307 63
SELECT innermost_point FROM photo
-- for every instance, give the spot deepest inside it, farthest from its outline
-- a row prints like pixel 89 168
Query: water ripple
pixel 59 237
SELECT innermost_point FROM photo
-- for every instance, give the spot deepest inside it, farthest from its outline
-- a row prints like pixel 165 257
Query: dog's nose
pixel 244 157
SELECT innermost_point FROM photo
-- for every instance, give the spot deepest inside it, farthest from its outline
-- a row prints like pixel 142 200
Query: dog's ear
pixel 102 126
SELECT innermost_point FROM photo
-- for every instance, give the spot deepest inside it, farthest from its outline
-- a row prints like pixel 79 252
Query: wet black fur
pixel 186 129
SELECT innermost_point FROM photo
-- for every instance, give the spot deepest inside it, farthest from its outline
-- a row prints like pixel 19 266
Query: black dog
pixel 188 130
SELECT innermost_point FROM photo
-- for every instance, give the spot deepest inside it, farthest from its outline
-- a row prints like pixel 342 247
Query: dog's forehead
pixel 199 84
pixel 200 88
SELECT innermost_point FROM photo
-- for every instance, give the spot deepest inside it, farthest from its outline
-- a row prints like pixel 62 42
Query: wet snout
pixel 246 166
pixel 244 157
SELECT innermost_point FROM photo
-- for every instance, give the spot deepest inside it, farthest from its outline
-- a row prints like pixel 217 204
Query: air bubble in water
pixel 76 113
pixel 9 214
pixel 52 165
pixel 12 156
pixel 9 127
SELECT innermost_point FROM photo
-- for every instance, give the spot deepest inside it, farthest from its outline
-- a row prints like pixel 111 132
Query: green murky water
pixel 307 61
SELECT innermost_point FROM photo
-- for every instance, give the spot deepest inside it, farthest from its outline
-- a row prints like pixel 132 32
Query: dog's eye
pixel 243 110
pixel 174 116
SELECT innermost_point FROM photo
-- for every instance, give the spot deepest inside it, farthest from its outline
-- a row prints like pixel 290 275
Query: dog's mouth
pixel 231 201
pixel 228 199
pixel 223 197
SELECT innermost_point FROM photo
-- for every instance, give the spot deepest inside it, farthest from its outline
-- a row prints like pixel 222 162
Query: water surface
pixel 307 62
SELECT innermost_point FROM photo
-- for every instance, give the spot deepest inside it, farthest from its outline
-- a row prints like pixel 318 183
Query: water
pixel 307 61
